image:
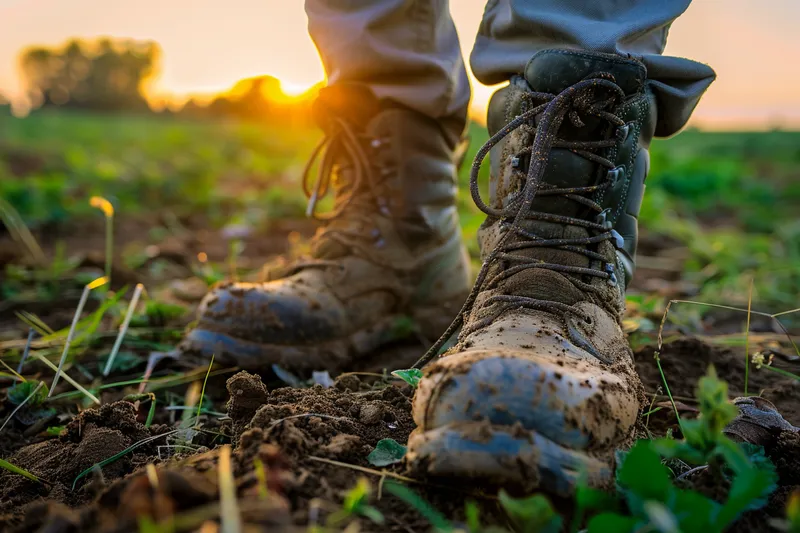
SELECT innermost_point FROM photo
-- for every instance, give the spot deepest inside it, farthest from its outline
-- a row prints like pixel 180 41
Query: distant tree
pixel 103 75
pixel 260 98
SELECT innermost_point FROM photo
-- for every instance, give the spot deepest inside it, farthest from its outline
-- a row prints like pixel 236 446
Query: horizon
pixel 207 50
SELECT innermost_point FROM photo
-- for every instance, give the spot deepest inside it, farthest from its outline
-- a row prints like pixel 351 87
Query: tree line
pixel 114 75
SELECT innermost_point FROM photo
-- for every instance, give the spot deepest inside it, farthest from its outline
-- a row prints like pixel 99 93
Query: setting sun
pixel 207 47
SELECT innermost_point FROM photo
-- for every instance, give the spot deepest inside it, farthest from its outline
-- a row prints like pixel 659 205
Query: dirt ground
pixel 295 433
pixel 313 444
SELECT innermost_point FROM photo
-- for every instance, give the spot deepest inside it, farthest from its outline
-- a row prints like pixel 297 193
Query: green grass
pixel 729 197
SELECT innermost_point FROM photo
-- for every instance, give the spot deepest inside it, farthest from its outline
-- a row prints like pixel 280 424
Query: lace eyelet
pixel 614 176
pixel 623 132
pixel 619 242
pixel 602 219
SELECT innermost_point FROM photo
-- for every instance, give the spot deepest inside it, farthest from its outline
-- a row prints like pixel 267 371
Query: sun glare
pixel 294 89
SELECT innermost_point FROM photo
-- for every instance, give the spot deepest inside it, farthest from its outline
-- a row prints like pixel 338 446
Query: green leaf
pixel 472 514
pixel 680 449
pixel 371 513
pixel 588 498
pixel 715 408
pixel 755 453
pixel 533 514
pixel 410 376
pixel 19 393
pixel 55 431
pixel 694 511
pixel 643 474
pixel 357 496
pixel 157 313
pixel 387 452
pixel 607 522
pixel 750 490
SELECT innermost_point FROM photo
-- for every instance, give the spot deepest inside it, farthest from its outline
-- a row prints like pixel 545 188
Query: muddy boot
pixel 390 249
pixel 541 386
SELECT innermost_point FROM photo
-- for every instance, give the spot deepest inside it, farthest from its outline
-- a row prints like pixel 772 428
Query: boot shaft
pixel 622 187
pixel 404 162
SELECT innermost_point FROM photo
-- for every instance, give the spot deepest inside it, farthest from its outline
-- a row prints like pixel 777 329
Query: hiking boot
pixel 541 385
pixel 389 251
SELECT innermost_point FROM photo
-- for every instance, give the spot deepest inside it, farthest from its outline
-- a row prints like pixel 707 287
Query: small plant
pixel 792 523
pixel 703 440
pixel 356 503
pixel 410 376
pixel 158 313
pixel 34 392
pixel 656 503
pixel 387 452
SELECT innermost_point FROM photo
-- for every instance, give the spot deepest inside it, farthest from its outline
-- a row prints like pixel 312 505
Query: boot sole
pixel 332 355
pixel 503 456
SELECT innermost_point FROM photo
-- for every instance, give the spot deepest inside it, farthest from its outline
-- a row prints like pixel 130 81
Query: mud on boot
pixel 391 248
pixel 541 386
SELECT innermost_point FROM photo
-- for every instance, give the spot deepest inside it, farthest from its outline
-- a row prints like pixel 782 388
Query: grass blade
pixel 203 391
pixel 19 231
pixel 437 519
pixel 85 296
pixel 108 210
pixel 34 322
pixel 261 476
pixel 5 465
pixel 657 356
pixel 117 456
pixel 31 395
pixel 13 373
pixel 68 379
pixel 230 520
pixel 747 339
pixel 137 292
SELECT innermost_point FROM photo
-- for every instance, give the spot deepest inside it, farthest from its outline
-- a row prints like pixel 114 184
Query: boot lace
pixel 578 98
pixel 341 151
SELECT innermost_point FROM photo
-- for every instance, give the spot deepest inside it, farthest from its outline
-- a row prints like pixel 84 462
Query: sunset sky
pixel 210 44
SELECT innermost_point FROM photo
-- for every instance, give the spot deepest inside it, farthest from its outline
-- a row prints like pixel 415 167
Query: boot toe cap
pixel 522 419
pixel 572 401
pixel 257 324
pixel 270 313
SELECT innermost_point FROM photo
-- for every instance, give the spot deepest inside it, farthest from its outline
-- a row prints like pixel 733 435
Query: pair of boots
pixel 540 387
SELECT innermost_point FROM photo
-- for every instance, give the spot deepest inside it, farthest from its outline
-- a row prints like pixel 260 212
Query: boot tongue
pixel 552 71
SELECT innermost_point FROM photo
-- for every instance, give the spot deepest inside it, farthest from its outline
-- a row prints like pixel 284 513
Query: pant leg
pixel 404 50
pixel 512 31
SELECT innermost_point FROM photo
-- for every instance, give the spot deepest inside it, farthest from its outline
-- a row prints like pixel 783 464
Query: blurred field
pixel 720 209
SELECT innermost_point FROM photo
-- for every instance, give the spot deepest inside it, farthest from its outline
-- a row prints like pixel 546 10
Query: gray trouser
pixel 408 50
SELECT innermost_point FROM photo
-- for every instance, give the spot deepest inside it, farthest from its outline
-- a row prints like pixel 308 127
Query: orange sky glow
pixel 209 45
